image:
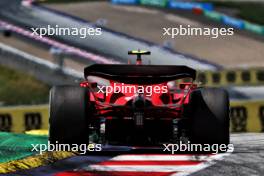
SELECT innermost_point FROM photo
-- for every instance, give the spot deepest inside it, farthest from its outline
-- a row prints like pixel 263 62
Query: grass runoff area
pixel 250 11
pixel 16 146
pixel 17 88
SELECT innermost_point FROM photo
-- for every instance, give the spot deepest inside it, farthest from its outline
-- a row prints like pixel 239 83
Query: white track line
pixel 161 157
pixel 178 169
pixel 140 168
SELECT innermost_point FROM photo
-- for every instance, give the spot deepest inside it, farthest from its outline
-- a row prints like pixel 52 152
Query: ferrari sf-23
pixel 138 105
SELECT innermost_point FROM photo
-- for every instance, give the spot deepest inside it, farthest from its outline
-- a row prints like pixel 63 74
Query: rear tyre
pixel 68 123
pixel 209 121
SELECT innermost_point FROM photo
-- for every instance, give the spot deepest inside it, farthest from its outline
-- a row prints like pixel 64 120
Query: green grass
pixel 17 88
pixel 254 13
pixel 17 146
pixel 250 11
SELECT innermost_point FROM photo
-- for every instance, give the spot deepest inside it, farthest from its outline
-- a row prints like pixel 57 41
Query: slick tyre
pixel 209 122
pixel 68 122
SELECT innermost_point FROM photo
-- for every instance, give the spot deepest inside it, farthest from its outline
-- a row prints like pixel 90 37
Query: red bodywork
pixel 160 101
pixel 136 100
pixel 176 97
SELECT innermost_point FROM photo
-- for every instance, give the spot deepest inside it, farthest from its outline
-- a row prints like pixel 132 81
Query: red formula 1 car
pixel 138 105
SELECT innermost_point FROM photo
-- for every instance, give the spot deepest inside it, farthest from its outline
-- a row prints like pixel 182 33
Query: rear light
pixel 84 84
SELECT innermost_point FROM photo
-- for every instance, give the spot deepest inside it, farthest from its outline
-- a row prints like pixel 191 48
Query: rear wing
pixel 140 74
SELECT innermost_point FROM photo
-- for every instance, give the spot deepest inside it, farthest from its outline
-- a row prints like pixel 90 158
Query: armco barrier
pixel 236 77
pixel 254 28
pixel 189 5
pixel 42 69
pixel 125 1
pixel 237 23
pixel 180 5
pixel 234 22
pixel 174 4
pixel 246 116
pixel 158 3
pixel 213 15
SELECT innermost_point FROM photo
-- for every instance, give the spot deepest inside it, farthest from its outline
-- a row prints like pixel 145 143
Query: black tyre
pixel 68 123
pixel 209 120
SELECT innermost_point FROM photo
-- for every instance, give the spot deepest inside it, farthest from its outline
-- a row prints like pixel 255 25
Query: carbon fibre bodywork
pixel 139 115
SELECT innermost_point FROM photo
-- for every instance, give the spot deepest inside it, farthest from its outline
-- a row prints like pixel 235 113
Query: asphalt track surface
pixel 36 16
pixel 247 159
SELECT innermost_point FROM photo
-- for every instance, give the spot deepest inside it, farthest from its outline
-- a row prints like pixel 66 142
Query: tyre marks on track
pixel 147 165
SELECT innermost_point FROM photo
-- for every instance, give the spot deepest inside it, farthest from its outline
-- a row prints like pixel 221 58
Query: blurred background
pixel 31 65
